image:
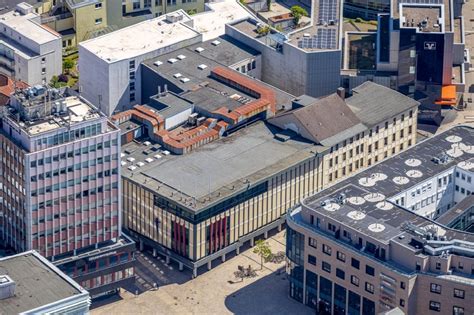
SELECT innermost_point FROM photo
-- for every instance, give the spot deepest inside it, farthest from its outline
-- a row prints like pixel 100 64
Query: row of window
pixel 436 306
pixel 76 167
pixel 72 135
pixel 463 176
pixel 72 182
pixel 341 274
pixel 457 293
pixel 109 278
pixel 70 154
pixel 249 67
pixel 79 195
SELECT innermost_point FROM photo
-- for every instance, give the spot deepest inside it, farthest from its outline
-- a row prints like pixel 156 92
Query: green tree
pixel 263 250
pixel 263 30
pixel 269 5
pixel 297 13
pixel 68 64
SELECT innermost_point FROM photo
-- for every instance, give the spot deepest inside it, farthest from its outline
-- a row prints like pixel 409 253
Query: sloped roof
pixel 374 103
pixel 327 120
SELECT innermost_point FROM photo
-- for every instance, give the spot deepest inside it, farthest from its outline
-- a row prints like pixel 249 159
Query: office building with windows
pixel 419 51
pixel 80 20
pixel 59 180
pixel 396 235
pixel 196 206
pixel 29 51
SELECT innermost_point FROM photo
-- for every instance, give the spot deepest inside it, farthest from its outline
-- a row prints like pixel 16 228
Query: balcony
pixel 45 19
pixel 8 61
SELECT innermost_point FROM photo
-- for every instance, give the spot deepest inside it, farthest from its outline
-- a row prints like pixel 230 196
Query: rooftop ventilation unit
pixel 166 152
pixel 202 67
pixel 177 75
pixel 184 80
pixel 199 49
pixel 140 164
pixel 172 60
pixel 7 287
pixel 441 159
pixel 158 63
pixel 216 42
pixel 132 167
pixel 181 57
pixel 149 160
pixel 306 35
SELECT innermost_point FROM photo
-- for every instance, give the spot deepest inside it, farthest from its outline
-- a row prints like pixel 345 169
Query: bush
pixel 63 78
pixel 68 64
pixel 297 13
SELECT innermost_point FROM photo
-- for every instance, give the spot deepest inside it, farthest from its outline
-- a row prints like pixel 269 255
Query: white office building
pixel 110 78
pixel 29 51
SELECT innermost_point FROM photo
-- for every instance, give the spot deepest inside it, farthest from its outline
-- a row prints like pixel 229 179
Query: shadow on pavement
pixel 268 295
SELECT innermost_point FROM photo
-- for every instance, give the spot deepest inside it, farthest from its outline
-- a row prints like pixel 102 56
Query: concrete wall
pixel 85 17
pixel 111 80
pixel 293 70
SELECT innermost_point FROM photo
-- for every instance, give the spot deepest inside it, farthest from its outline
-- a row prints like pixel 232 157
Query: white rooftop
pixel 28 26
pixel 212 23
pixel 78 112
pixel 141 38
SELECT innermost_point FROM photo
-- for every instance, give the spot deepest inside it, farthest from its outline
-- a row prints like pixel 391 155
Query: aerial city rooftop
pixel 145 142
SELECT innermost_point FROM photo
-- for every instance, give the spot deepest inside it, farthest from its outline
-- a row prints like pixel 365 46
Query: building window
pixel 312 260
pixel 355 263
pixel 435 306
pixel 459 293
pixel 341 256
pixel 412 70
pixel 369 287
pixel 402 285
pixel 326 267
pixel 402 302
pixel 136 4
pixel 98 5
pixel 435 288
pixel 131 64
pixel 98 21
pixel 340 274
pixel 458 310
pixel 327 249
pixel 147 3
pixel 369 270
pixel 312 242
pixel 132 97
pixel 355 281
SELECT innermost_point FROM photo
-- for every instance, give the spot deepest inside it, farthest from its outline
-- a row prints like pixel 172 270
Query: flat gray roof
pixel 169 104
pixel 37 283
pixel 204 91
pixel 221 168
pixel 228 52
pixel 398 165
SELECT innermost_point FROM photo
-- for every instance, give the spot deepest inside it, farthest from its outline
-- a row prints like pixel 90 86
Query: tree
pixel 297 13
pixel 269 5
pixel 68 64
pixel 263 250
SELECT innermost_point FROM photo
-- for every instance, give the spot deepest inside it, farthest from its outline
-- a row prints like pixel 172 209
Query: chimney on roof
pixel 166 89
pixel 7 287
pixel 341 92
pixel 159 91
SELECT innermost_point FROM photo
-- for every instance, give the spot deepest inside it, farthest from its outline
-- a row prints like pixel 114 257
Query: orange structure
pixel 448 96
pixel 181 141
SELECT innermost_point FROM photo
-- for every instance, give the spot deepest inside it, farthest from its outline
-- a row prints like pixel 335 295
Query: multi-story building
pixel 80 20
pixel 207 200
pixel 30 284
pixel 60 185
pixel 113 76
pixel 395 235
pixel 306 60
pixel 29 51
pixel 418 47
